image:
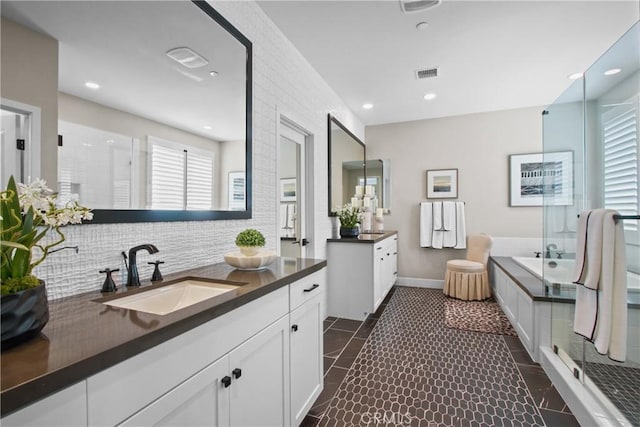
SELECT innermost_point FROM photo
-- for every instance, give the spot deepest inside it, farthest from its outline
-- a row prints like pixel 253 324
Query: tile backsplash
pixel 283 83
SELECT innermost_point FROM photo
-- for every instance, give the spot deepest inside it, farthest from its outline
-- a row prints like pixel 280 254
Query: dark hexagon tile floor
pixel 414 371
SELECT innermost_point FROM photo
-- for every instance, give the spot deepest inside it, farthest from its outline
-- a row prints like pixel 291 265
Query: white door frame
pixel 32 149
pixel 286 120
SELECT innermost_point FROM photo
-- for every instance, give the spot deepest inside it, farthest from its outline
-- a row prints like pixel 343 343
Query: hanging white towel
pixel 283 216
pixel 437 236
pixel 442 225
pixel 461 228
pixel 426 224
pixel 291 215
pixel 601 296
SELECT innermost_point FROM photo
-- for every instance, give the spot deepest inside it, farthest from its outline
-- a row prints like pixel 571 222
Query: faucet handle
pixel 537 254
pixel 156 276
pixel 109 285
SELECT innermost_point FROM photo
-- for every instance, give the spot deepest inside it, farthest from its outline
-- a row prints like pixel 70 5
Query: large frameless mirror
pixel 151 104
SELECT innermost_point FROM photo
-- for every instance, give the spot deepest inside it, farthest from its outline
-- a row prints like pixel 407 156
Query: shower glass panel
pixel 597 119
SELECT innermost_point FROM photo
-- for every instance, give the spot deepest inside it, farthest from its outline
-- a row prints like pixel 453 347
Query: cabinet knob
pixel 294 328
pixel 314 287
pixel 226 381
pixel 237 373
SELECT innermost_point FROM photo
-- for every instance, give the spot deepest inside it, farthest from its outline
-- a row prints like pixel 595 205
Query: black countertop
pixel 84 337
pixel 367 238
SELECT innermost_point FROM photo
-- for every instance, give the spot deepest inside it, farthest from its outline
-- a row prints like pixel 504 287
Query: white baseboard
pixel 420 283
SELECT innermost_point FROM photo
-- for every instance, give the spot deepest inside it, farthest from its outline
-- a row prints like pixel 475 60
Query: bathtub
pixel 558 273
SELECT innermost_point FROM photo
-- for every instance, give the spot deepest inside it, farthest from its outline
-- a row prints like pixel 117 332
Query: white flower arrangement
pixel 28 212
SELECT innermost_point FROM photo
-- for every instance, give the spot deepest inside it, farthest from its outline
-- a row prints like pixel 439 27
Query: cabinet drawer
pixel 306 288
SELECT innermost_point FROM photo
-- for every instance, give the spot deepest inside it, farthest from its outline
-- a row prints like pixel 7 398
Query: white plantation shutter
pixel 180 177
pixel 199 181
pixel 621 162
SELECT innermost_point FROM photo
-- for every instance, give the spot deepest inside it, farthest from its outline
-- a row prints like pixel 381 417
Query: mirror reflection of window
pixel 181 176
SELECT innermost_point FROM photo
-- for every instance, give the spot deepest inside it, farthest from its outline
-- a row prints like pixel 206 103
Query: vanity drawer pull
pixel 315 286
pixel 226 381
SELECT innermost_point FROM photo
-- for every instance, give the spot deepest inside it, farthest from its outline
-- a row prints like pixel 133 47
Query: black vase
pixel 349 231
pixel 23 315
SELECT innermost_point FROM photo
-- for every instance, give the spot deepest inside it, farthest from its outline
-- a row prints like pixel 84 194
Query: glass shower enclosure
pixel 595 123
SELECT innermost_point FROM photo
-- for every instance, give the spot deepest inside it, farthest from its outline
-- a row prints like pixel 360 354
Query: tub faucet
pixel 550 247
pixel 132 277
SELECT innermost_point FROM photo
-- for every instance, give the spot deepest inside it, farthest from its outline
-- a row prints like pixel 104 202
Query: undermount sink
pixel 173 297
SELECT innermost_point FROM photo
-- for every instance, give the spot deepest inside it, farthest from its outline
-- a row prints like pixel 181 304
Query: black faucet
pixel 550 247
pixel 132 277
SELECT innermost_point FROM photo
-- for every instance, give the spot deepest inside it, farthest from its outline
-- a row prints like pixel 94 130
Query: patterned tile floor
pixel 402 366
pixel 620 385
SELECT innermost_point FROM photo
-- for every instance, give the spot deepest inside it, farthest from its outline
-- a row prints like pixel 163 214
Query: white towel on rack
pixel 283 216
pixel 442 225
pixel 601 285
pixel 461 228
pixel 426 224
pixel 291 215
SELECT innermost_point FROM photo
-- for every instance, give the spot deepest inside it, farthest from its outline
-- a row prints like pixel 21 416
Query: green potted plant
pixel 349 217
pixel 28 213
pixel 250 241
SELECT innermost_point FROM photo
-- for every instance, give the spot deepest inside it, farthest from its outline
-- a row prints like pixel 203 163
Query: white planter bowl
pixel 254 262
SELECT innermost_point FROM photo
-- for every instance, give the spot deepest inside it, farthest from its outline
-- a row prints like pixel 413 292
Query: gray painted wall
pixel 478 145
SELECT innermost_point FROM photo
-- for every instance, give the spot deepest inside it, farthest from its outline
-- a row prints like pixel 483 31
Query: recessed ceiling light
pixel 213 73
pixel 576 76
pixel 430 96
pixel 422 26
pixel 612 71
pixel 207 127
pixel 367 106
pixel 92 85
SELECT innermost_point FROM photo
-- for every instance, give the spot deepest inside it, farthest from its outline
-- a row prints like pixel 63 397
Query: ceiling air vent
pixel 427 73
pixel 411 6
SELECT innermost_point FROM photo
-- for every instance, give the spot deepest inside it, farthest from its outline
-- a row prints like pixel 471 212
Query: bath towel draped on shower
pixel 442 225
pixel 601 285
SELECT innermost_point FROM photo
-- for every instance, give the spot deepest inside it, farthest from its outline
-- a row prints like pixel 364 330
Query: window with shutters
pixel 181 177
pixel 620 139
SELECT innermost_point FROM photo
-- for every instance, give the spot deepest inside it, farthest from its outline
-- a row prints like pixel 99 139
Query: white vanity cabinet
pixel 66 408
pixel 259 364
pixel 360 275
pixel 253 376
pixel 306 343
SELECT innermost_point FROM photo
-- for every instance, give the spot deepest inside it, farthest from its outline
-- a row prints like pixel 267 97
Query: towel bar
pixel 622 217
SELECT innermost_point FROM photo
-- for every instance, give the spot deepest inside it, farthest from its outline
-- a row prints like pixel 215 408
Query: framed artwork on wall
pixel 541 178
pixel 442 184
pixel 288 189
pixel 237 193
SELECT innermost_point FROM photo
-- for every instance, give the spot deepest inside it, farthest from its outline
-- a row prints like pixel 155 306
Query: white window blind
pixel 621 162
pixel 199 181
pixel 167 177
pixel 181 176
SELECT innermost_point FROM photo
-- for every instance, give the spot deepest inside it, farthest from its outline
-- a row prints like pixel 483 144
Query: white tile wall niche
pixel 282 81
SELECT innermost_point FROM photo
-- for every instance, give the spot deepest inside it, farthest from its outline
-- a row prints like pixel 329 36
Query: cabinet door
pixel 201 400
pixel 65 408
pixel 378 271
pixel 259 393
pixel 306 357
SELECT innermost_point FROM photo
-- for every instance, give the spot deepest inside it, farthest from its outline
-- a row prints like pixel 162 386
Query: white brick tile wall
pixel 282 81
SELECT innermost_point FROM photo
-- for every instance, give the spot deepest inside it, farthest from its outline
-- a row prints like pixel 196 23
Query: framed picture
pixel 237 191
pixel 541 178
pixel 442 184
pixel 288 190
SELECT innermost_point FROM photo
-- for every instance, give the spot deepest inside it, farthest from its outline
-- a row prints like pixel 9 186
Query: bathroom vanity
pixel 251 356
pixel 361 272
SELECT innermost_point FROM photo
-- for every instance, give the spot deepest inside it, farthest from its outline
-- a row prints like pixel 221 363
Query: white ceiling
pixel 491 55
pixel 122 46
